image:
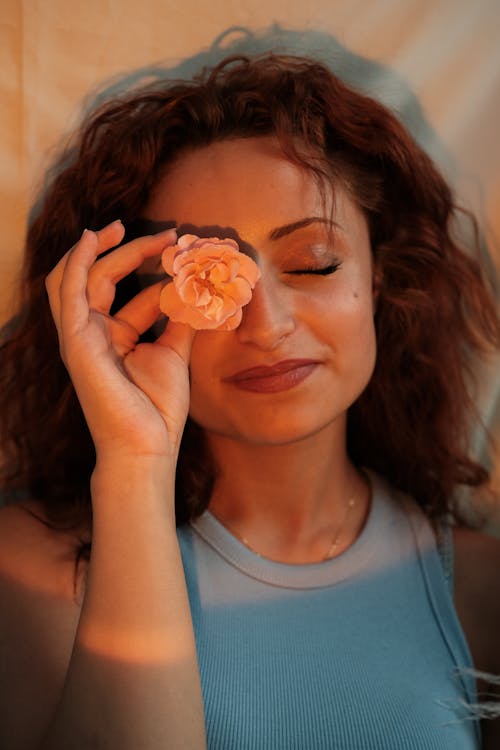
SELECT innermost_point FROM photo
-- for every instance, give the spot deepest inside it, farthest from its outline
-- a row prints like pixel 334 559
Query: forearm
pixel 133 678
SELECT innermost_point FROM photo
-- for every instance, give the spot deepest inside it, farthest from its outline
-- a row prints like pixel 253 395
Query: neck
pixel 289 502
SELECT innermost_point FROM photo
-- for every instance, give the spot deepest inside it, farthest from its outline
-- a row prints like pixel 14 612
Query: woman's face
pixel 316 327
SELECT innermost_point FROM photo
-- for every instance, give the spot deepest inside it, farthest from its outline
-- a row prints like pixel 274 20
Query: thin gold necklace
pixel 331 549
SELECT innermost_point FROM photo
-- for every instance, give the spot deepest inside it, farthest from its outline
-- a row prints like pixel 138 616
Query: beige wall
pixel 54 52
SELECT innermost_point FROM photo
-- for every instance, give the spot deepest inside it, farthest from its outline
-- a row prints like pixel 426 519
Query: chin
pixel 280 431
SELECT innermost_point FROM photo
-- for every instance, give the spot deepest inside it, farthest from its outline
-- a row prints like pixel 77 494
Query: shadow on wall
pixel 365 75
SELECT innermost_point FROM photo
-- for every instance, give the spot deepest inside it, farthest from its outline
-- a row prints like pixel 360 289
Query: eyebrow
pixel 279 232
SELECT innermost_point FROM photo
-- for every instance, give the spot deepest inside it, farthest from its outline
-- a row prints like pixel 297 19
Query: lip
pixel 273 378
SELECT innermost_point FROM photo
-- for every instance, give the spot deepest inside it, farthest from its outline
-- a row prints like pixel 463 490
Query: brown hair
pixel 435 312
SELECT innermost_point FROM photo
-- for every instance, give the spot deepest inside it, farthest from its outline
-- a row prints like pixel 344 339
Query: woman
pixel 217 544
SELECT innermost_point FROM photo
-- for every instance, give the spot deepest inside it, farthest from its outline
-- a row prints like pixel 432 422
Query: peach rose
pixel 212 280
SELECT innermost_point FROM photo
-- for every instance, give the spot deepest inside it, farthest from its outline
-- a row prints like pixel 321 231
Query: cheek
pixel 344 311
pixel 360 341
pixel 201 360
pixel 205 363
pixel 347 325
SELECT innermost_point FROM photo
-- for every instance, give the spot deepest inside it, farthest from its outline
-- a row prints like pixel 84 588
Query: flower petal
pixel 185 241
pixel 239 290
pixel 170 302
pixel 231 323
pixel 249 269
pixel 167 259
pixel 212 281
pixel 220 274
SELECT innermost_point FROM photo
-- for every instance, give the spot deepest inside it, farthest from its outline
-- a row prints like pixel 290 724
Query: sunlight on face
pixel 311 314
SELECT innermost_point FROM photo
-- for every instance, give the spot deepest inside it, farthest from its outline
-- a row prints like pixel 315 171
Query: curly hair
pixel 436 312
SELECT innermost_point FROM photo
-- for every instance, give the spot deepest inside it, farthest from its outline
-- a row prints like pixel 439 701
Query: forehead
pixel 246 188
pixel 234 182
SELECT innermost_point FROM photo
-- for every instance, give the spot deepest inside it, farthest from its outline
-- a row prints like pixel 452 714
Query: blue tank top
pixel 360 652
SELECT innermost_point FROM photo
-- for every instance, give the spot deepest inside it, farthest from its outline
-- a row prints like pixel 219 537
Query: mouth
pixel 274 378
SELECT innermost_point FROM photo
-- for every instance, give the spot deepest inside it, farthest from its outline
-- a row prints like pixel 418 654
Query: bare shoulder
pixel 477 594
pixel 39 614
pixel 33 553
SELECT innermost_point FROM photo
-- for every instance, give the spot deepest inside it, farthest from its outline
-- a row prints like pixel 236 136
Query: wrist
pixel 130 479
pixel 133 463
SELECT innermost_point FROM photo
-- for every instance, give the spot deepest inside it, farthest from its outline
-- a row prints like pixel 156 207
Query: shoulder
pixel 39 614
pixel 33 553
pixel 477 594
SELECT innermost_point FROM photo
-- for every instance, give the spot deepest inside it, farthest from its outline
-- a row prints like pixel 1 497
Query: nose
pixel 269 316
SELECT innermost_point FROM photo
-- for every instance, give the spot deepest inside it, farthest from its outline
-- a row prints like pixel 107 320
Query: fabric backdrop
pixel 436 62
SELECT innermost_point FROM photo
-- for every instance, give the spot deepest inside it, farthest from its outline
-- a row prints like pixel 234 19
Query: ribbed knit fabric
pixel 357 653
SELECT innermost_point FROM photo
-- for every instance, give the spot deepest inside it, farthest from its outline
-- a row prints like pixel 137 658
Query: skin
pixel 284 470
pixel 131 679
pixel 284 473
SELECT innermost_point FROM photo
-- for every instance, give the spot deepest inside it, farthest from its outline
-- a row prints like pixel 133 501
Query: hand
pixel 135 397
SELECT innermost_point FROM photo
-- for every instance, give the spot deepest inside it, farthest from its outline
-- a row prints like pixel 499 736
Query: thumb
pixel 179 337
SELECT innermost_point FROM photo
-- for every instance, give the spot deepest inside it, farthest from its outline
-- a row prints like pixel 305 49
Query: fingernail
pixel 170 236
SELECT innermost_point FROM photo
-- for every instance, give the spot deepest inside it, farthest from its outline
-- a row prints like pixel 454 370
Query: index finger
pixel 107 237
pixel 111 268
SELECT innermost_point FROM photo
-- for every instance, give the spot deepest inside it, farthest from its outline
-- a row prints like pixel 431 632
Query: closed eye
pixel 323 271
